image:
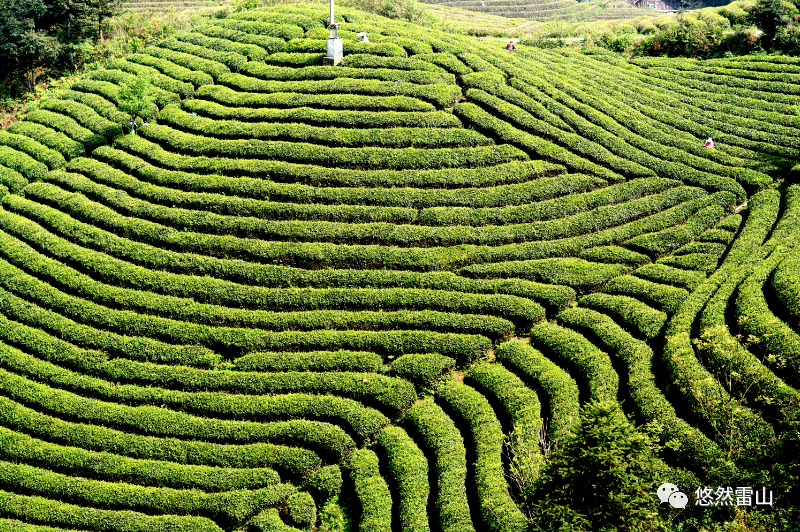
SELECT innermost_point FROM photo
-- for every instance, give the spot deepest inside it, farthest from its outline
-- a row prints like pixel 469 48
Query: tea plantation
pixel 300 282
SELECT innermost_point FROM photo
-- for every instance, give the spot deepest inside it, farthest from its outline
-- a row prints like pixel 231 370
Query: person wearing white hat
pixel 362 36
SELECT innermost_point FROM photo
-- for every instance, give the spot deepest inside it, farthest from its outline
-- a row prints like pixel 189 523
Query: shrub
pixel 20 161
pixel 444 441
pixel 68 126
pixel 393 111
pixel 422 370
pixel 439 94
pixel 270 520
pixel 189 60
pixel 223 46
pixel 276 73
pixel 546 149
pixel 30 508
pixel 302 509
pixel 371 491
pixel 641 318
pixel 49 137
pixel 606 454
pixel 664 297
pixel 326 481
pixel 581 357
pixel 348 102
pixel 281 31
pixel 349 47
pixel 582 275
pixel 409 470
pixel 580 195
pixel 323 361
pixel 669 239
pixel 385 138
pixel 104 107
pixel 172 70
pixel 234 60
pixel 661 273
pixel 84 115
pixel 520 404
pixel 165 90
pixel 614 255
pixel 36 150
pixel 292 461
pixel 266 43
pixel 498 510
pixel 649 401
pixel 235 506
pixel 21 448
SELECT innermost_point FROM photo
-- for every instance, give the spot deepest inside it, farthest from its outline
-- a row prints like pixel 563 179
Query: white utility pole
pixel 335 50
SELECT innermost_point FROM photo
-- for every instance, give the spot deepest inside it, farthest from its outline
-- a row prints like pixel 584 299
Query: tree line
pixel 37 34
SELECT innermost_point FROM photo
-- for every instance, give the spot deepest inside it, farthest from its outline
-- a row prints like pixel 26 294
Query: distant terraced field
pixel 259 301
pixel 164 6
pixel 539 10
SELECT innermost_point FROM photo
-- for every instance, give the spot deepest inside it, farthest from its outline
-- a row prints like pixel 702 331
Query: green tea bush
pixel 372 492
pixel 424 370
pixel 498 510
pixel 443 440
pixel 409 469
pixel 51 138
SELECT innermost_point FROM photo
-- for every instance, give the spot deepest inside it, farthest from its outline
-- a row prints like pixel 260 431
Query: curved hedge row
pixel 648 399
pixel 664 297
pixel 386 138
pixel 68 126
pixel 579 355
pixel 371 491
pixel 51 138
pixel 221 292
pixel 342 360
pixel 424 76
pixel 409 469
pixel 439 94
pixel 21 448
pixel 39 509
pixel 36 150
pixel 444 441
pixel 363 158
pixel 498 510
pixel 379 112
pixel 236 505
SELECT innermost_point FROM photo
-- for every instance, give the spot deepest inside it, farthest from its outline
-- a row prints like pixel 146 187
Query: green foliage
pixel 409 470
pixel 257 288
pixel 134 99
pixel 770 16
pixel 302 509
pixel 326 482
pixel 422 370
pixel 604 477
pixel 443 440
pixel 581 357
pixel 498 511
pixel 372 492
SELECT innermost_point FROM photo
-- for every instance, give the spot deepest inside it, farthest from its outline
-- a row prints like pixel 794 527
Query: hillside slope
pixel 222 320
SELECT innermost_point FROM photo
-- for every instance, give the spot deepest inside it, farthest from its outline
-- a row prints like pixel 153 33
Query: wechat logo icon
pixel 669 493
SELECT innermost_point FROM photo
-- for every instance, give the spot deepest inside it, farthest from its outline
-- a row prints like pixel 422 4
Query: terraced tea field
pixel 303 279
pixel 208 7
pixel 539 10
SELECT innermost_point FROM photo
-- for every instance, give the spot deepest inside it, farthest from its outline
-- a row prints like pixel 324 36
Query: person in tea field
pixel 709 143
pixel 510 46
pixel 362 37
